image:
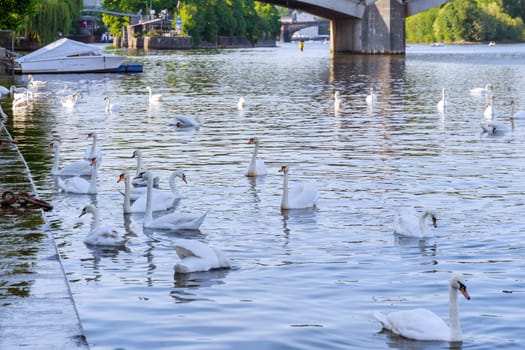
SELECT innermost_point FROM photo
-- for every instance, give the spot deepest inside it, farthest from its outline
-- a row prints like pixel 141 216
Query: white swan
pixel 371 98
pixel 80 185
pixel 78 168
pixel 241 103
pixel 514 114
pixel 256 166
pixel 101 236
pixel 138 180
pixel 17 92
pixel 187 121
pixel 196 256
pixel 493 128
pixel 302 195
pixel 410 223
pixel 442 104
pixel 136 193
pixel 423 324
pixel 162 200
pixel 70 101
pixel 110 107
pixel 171 221
pixel 337 101
pixel 482 91
pixel 153 97
pixel 35 83
pixel 93 151
pixel 23 101
pixel 489 111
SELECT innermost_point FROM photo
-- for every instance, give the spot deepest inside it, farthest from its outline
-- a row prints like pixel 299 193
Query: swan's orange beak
pixel 93 161
pixel 120 178
pixel 463 290
pixel 84 211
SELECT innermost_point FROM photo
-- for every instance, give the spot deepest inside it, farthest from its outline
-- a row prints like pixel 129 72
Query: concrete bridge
pixel 363 26
pixel 289 26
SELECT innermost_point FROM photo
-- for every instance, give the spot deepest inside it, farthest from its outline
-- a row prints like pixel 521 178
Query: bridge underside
pixel 337 9
pixel 363 26
pixel 377 28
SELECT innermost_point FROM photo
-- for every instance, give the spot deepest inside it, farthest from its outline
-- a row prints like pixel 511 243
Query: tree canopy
pixel 469 20
pixel 16 12
pixel 204 20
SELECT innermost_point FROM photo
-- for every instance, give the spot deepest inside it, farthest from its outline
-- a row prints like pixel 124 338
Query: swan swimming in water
pixel 110 107
pixel 93 151
pixel 35 83
pixel 514 114
pixel 78 168
pixel 195 256
pixel 70 101
pixel 162 200
pixel 411 224
pixel 256 166
pixel 302 195
pixel 241 103
pixel 138 180
pixel 171 221
pixel 371 98
pixel 104 236
pixel 187 121
pixel 80 185
pixel 153 97
pixel 482 91
pixel 423 324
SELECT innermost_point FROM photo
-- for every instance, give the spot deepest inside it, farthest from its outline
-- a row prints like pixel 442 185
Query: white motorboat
pixel 68 56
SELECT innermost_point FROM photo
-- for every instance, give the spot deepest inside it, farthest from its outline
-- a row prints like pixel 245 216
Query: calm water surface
pixel 306 279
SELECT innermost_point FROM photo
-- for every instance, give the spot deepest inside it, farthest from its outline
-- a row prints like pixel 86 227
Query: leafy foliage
pixel 469 20
pixel 52 17
pixel 204 20
pixel 16 12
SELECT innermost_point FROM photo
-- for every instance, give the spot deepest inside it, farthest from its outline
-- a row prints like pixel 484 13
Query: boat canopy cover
pixel 61 48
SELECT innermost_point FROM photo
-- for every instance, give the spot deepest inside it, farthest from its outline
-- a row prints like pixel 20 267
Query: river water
pixel 306 279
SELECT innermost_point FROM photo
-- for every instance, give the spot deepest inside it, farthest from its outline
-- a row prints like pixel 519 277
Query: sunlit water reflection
pixel 303 279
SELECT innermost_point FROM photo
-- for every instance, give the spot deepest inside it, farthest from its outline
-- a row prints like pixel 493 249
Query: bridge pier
pixel 381 30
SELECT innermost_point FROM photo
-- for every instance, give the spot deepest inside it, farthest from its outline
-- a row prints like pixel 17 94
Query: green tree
pixel 270 24
pixel 16 12
pixel 52 17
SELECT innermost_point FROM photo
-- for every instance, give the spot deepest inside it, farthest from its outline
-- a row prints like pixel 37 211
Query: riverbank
pixel 37 308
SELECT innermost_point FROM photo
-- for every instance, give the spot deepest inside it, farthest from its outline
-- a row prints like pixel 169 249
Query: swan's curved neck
pixel 253 161
pixel 139 162
pixel 512 110
pixel 127 193
pixel 173 186
pixel 284 200
pixel 96 219
pixel 453 314
pixel 148 216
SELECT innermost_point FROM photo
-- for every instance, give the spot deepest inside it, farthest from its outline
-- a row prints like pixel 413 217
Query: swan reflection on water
pixel 186 282
pixel 394 341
